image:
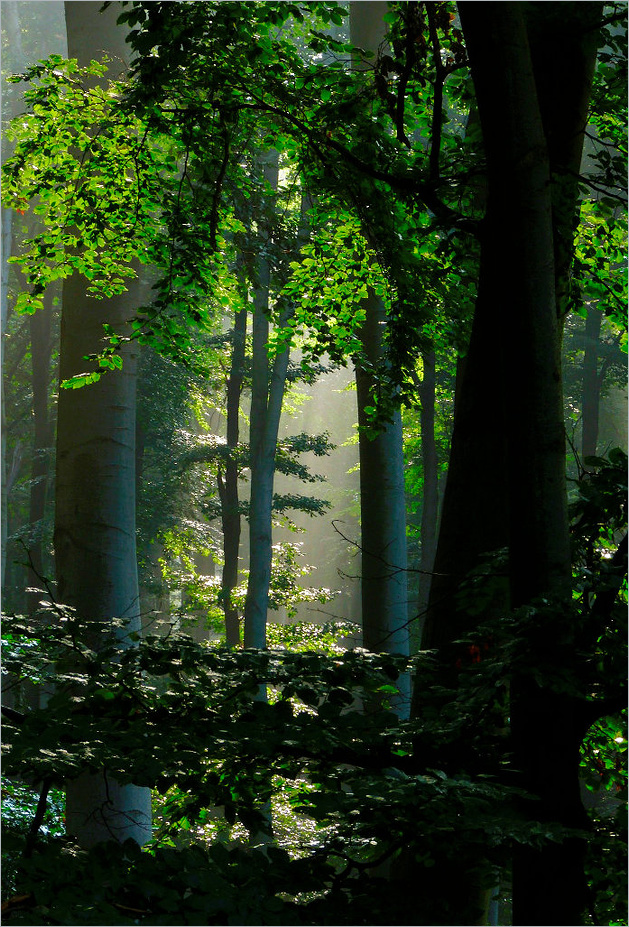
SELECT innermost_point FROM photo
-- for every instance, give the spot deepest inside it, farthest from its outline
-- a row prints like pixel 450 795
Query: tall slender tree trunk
pixel 267 392
pixel 592 384
pixel 41 355
pixel 4 315
pixel 11 24
pixel 430 500
pixel 228 482
pixel 95 544
pixel 383 507
pixel 384 588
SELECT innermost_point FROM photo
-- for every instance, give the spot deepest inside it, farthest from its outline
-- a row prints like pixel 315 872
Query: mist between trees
pixel 314 433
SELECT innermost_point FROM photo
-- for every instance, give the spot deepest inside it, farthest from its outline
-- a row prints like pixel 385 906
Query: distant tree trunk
pixel 95 545
pixel 430 497
pixel 11 24
pixel 4 314
pixel 267 392
pixel 383 507
pixel 592 384
pixel 228 482
pixel 41 355
pixel 261 504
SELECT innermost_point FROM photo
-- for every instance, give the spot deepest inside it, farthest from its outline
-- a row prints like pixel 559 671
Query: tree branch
pixel 407 185
pixel 437 101
pixel 409 63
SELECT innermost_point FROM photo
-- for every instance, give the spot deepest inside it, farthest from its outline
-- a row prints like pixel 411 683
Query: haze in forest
pixel 314 454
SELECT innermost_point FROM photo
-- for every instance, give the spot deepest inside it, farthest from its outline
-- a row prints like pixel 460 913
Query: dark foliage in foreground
pixel 388 797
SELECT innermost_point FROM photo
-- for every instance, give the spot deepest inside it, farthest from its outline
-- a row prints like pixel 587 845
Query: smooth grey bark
pixel 4 314
pixel 228 482
pixel 430 500
pixel 95 542
pixel 267 393
pixel 11 26
pixel 367 26
pixel 592 383
pixel 384 588
pixel 383 506
pixel 40 325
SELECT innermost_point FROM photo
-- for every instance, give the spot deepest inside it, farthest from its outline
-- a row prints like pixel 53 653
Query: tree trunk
pixel 563 40
pixel 592 383
pixel 4 314
pixel 383 509
pixel 11 24
pixel 430 500
pixel 384 588
pixel 266 403
pixel 525 228
pixel 95 550
pixel 228 482
pixel 474 510
pixel 41 354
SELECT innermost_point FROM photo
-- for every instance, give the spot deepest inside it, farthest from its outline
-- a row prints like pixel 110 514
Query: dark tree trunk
pixel 228 482
pixel 474 512
pixel 525 254
pixel 563 39
pixel 506 481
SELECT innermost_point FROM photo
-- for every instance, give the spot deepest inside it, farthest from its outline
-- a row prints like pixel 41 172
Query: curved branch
pixel 406 184
pixel 409 63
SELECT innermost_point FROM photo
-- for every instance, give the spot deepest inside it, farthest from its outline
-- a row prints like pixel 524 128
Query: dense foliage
pixel 286 789
pixel 186 719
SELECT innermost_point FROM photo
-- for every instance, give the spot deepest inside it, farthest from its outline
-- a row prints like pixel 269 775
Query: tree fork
pixel 528 251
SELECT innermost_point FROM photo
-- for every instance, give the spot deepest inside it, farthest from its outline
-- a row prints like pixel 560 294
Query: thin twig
pixel 36 823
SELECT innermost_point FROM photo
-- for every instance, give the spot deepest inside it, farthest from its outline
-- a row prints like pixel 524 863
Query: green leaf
pixel 80 380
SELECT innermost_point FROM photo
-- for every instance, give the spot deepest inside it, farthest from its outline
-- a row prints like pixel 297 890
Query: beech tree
pixel 267 392
pixel 95 544
pixel 227 478
pixel 384 585
pixel 507 481
pixel 14 36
